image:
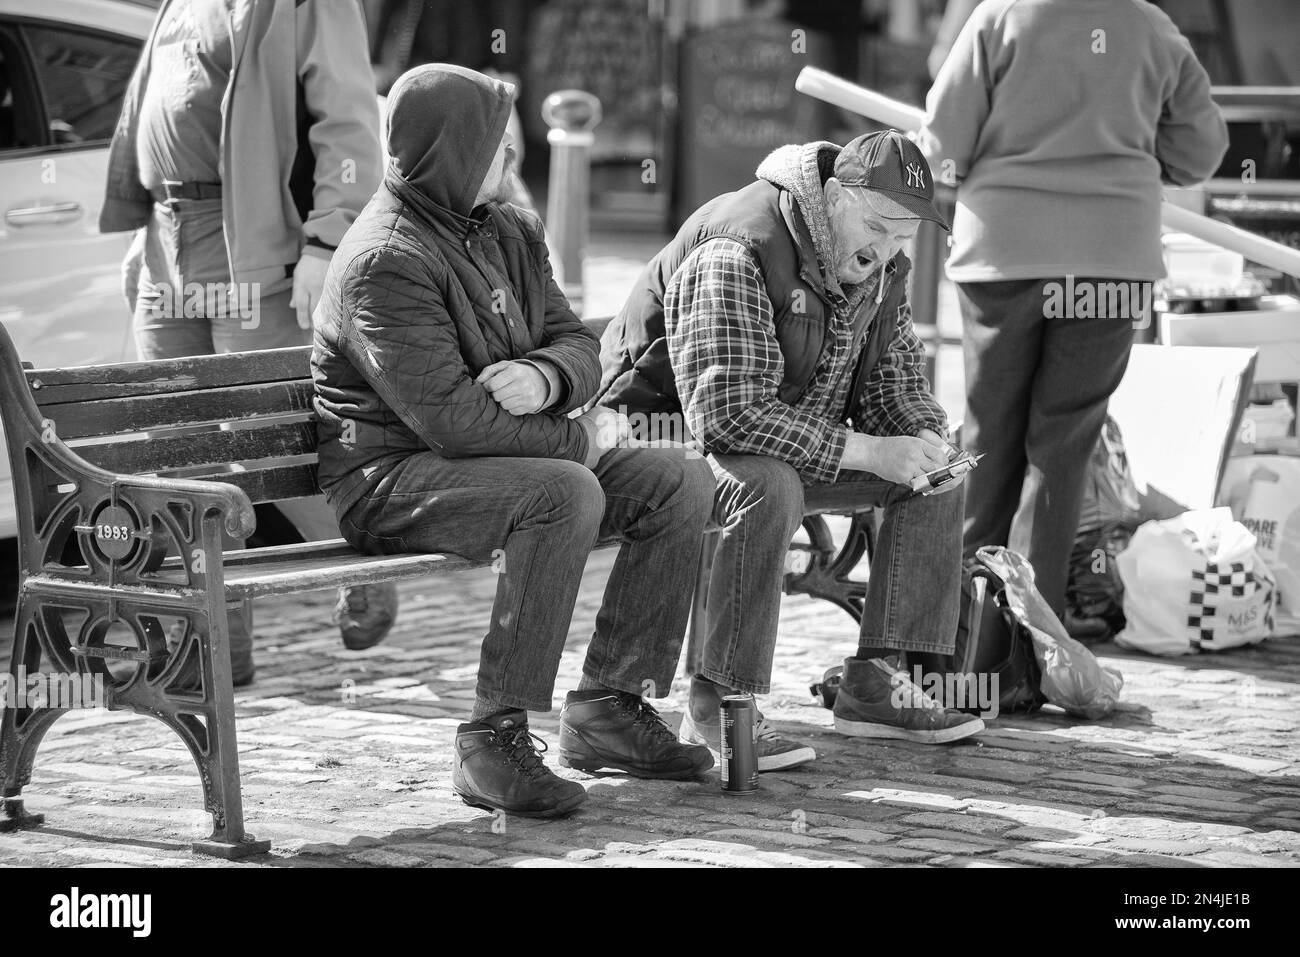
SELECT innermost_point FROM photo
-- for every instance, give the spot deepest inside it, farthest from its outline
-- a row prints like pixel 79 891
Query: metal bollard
pixel 571 115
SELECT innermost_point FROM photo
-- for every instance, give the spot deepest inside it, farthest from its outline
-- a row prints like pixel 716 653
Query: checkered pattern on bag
pixel 1207 585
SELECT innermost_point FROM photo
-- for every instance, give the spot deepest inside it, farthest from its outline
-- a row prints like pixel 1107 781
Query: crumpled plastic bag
pixel 1073 678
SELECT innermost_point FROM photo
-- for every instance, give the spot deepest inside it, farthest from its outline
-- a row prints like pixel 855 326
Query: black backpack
pixel 991 641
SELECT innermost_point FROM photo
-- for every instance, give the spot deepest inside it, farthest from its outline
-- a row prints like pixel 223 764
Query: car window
pixel 8 133
pixel 20 114
pixel 83 77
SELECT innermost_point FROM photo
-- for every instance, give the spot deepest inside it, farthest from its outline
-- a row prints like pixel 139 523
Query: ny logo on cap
pixel 915 176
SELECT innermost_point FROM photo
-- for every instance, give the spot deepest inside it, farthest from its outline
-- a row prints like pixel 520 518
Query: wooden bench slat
pixel 272 484
pixel 162 376
pixel 259 575
pixel 162 412
pixel 334 548
pixel 254 579
pixel 221 447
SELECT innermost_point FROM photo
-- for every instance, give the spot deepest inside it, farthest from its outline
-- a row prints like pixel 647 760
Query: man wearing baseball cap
pixel 776 322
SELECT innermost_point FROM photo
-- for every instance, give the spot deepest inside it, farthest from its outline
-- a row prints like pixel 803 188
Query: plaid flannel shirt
pixel 728 366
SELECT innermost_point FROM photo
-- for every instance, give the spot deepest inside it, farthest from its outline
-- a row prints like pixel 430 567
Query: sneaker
pixel 365 613
pixel 624 732
pixel 498 767
pixel 877 699
pixel 703 725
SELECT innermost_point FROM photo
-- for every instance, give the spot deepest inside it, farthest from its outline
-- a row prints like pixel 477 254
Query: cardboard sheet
pixel 1178 409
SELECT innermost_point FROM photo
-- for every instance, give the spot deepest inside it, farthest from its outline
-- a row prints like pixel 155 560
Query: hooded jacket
pixel 427 290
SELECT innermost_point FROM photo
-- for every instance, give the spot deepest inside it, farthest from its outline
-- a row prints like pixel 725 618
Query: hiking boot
pixel 624 732
pixel 499 767
pixel 878 700
pixel 365 613
pixel 703 725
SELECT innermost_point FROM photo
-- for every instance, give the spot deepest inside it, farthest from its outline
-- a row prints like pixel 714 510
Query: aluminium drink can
pixel 739 755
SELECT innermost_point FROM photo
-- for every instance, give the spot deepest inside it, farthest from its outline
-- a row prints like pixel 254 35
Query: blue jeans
pixel 912 592
pixel 537 520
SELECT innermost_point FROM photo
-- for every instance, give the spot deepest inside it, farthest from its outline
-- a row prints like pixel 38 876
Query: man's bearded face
pixel 863 232
pixel 498 185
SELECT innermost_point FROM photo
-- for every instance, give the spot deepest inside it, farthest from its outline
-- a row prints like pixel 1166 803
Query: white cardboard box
pixel 1274 330
pixel 1178 410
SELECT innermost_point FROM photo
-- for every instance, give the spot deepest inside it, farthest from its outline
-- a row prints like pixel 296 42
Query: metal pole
pixel 571 115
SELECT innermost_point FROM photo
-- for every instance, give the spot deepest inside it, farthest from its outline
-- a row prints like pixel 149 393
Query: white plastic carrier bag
pixel 1193 583
pixel 1263 492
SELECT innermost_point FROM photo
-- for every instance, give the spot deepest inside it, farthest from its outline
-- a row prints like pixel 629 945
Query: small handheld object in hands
pixel 938 479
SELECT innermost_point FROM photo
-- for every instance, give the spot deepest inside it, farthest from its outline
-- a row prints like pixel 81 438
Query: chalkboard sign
pixel 738 103
pixel 609 49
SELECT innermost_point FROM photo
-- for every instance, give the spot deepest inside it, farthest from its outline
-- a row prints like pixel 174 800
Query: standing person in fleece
pixel 1057 121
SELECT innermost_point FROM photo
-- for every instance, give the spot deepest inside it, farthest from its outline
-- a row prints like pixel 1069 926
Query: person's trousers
pixel 537 520
pixel 185 307
pixel 1036 396
pixel 914 583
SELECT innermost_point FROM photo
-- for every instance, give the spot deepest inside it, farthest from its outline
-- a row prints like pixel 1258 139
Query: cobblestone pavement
pixel 346 760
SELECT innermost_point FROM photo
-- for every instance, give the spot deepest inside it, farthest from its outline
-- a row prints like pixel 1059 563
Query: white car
pixel 64 68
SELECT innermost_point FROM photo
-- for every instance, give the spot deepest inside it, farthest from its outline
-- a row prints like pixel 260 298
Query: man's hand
pixel 894 458
pixel 308 282
pixel 606 429
pixel 518 387
pixel 935 439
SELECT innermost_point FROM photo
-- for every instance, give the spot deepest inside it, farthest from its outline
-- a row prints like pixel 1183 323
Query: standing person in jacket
pixel 777 322
pixel 248 142
pixel 446 363
pixel 1057 120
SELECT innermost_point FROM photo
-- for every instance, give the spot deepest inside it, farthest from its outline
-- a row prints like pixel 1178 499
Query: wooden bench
pixel 122 573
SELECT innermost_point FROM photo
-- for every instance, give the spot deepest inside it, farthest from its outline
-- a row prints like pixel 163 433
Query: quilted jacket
pixel 426 290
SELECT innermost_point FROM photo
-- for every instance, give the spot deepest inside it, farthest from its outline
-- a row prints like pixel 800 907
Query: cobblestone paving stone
pixel 346 760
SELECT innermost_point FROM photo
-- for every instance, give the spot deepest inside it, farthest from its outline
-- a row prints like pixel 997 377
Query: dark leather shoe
pixel 365 613
pixel 623 732
pixel 499 767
